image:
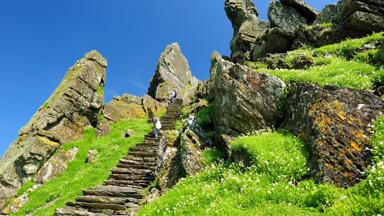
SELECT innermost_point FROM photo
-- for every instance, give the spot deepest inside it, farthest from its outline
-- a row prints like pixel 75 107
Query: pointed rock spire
pixel 172 74
pixel 74 105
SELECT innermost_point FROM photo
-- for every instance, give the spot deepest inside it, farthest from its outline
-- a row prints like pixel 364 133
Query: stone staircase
pixel 124 191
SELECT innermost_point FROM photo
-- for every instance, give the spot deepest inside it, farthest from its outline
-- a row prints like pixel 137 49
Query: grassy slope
pixel 277 183
pixel 330 66
pixel 81 175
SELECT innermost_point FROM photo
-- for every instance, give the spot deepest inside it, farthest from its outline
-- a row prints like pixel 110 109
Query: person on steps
pixel 156 128
pixel 172 96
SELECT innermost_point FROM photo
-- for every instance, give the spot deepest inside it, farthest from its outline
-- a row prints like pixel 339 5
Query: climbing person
pixel 172 96
pixel 157 127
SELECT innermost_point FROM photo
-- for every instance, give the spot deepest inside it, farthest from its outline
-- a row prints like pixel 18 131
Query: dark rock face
pixel 172 74
pixel 303 8
pixel 285 17
pixel 247 27
pixel 334 123
pixel 274 40
pixel 244 100
pixel 363 15
pixel 74 105
pixel 328 14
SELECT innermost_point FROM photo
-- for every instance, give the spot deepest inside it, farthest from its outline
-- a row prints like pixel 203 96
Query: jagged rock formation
pixel 124 191
pixel 74 105
pixel 172 74
pixel 244 100
pixel 303 8
pixel 334 122
pixel 288 19
pixel 128 106
pixel 246 26
pixel 363 15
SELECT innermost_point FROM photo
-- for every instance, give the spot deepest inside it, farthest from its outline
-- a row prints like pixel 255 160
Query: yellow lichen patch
pixel 355 146
pixel 47 141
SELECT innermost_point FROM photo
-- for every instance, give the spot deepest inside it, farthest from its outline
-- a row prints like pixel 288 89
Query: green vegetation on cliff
pixel 276 183
pixel 82 175
pixel 354 63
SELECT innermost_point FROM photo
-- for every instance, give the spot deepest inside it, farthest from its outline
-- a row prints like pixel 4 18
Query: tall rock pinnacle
pixel 172 73
pixel 74 105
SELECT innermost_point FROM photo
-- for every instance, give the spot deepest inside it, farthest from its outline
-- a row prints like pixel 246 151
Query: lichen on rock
pixel 74 105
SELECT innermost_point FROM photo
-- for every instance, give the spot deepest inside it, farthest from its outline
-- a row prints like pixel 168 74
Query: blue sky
pixel 41 39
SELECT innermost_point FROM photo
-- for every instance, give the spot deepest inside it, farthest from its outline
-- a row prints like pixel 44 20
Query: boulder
pixel 334 123
pixel 56 165
pixel 303 8
pixel 128 106
pixel 73 106
pixel 274 40
pixel 244 100
pixel 239 11
pixel 285 17
pixel 172 74
pixel 328 14
pixel 363 15
pixel 247 28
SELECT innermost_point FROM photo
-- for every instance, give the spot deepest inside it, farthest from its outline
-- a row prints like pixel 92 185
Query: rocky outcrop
pixel 328 14
pixel 303 8
pixel 246 26
pixel 334 123
pixel 363 15
pixel 287 18
pixel 56 165
pixel 128 106
pixel 172 74
pixel 244 100
pixel 74 105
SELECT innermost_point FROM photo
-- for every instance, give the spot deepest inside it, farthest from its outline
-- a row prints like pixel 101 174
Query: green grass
pixel 280 156
pixel 204 118
pixel 337 71
pixel 231 189
pixel 81 175
pixel 349 45
pixel 211 155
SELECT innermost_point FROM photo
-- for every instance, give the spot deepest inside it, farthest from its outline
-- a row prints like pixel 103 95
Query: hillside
pixel 290 124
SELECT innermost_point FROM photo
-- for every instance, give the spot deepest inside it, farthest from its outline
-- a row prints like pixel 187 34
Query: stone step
pixel 137 166
pixel 97 205
pixel 114 191
pixel 73 211
pixel 137 162
pixel 141 159
pixel 141 183
pixel 131 171
pixel 131 177
pixel 142 154
pixel 107 200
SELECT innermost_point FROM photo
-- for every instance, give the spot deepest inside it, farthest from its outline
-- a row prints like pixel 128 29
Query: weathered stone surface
pixel 334 123
pixel 172 74
pixel 74 105
pixel 285 17
pixel 363 15
pixel 328 14
pixel 56 165
pixel 247 28
pixel 189 152
pixel 128 106
pixel 244 40
pixel 274 40
pixel 239 11
pixel 93 155
pixel 303 8
pixel 244 100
